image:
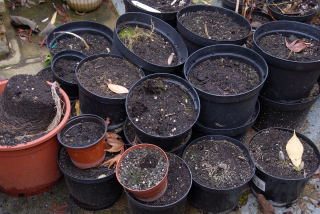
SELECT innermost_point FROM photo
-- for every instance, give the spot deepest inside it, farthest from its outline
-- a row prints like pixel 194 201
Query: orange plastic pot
pixel 154 192
pixel 88 156
pixel 31 168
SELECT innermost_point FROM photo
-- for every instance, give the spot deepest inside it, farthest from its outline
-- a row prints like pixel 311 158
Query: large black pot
pixel 230 111
pixel 161 27
pixel 194 41
pixel 288 80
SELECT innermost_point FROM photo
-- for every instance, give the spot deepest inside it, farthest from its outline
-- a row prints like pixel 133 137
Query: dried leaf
pixel 170 59
pixel 77 108
pixel 118 89
pixel 116 145
pixel 112 161
pixel 101 176
pixel 113 135
pixel 295 149
pixel 265 206
pixel 256 24
pixel 22 21
pixel 297 45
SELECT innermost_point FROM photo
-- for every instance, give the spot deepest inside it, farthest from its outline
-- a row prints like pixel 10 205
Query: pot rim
pixel 47 136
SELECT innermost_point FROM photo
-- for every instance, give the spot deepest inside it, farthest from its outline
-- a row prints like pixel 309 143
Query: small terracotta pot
pixel 87 156
pixel 84 5
pixel 154 192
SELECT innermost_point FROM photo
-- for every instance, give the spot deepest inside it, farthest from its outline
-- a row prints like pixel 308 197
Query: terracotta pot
pixel 31 168
pixel 87 156
pixel 154 192
pixel 84 5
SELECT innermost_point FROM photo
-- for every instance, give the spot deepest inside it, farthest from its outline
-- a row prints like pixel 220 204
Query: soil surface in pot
pixel 65 68
pixel 218 164
pixel 164 5
pixel 275 45
pixel 149 45
pixel 295 8
pixel 265 148
pixel 143 168
pixel 224 76
pixel 259 19
pixel 214 25
pixel 96 74
pixel 160 107
pixel 27 109
pixel 98 44
pixel 91 174
pixel 82 134
pixel 46 74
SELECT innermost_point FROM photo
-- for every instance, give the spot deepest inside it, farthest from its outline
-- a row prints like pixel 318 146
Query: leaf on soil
pixel 101 176
pixel 113 135
pixel 116 145
pixel 256 24
pixel 297 45
pixel 118 89
pixel 265 206
pixel 22 21
pixel 170 59
pixel 295 149
pixel 112 161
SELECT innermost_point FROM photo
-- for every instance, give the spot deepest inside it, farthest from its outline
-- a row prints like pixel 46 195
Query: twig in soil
pixel 56 120
pixel 206 31
pixel 77 36
pixel 170 59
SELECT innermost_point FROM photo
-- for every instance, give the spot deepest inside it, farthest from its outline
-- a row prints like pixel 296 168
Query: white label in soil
pixel 259 183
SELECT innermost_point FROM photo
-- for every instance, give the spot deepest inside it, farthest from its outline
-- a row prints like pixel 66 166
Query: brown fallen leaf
pixel 256 24
pixel 297 45
pixel 113 135
pixel 295 150
pixel 265 206
pixel 116 145
pixel 118 89
pixel 22 21
pixel 112 161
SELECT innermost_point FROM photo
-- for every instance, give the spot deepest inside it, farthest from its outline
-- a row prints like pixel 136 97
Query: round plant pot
pixel 160 27
pixel 169 17
pixel 178 206
pixel 288 80
pixel 170 142
pixel 213 199
pixel 105 107
pixel 154 192
pixel 281 191
pixel 194 41
pixel 230 111
pixel 31 168
pixel 84 5
pixel 259 13
pixel 71 88
pixel 46 74
pixel 276 13
pixel 85 156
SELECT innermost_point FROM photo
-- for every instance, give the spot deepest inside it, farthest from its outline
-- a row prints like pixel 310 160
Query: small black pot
pixel 231 111
pixel 281 191
pixel 46 74
pixel 105 107
pixel 167 143
pixel 161 27
pixel 288 80
pixel 194 41
pixel 169 17
pixel 70 88
pixel 218 200
pixel 276 13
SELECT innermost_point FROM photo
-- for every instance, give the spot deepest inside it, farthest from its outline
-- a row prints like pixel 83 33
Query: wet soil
pixel 161 108
pixel 148 44
pixel 98 44
pixel 214 25
pixel 46 74
pixel 65 68
pixel 275 45
pixel 96 74
pixel 218 164
pixel 91 174
pixel 295 8
pixel 83 134
pixel 164 5
pixel 224 76
pixel 265 149
pixel 143 168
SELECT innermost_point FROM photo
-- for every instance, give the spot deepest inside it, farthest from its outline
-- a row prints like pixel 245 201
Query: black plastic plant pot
pixel 169 17
pixel 46 74
pixel 195 42
pixel 288 80
pixel 276 13
pixel 167 143
pixel 280 191
pixel 218 200
pixel 160 27
pixel 105 107
pixel 71 88
pixel 257 12
pixel 227 111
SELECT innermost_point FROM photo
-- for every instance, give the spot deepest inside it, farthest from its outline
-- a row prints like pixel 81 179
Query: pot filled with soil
pixel 143 171
pixel 46 74
pixel 221 168
pixel 285 161
pixel 231 86
pixel 300 11
pixel 162 108
pixel 174 199
pixel 257 18
pixel 203 25
pixel 31 115
pixel 162 9
pixel 150 43
pixel 84 139
pixel 91 189
pixel 104 81
pixel 64 66
pixel 291 50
